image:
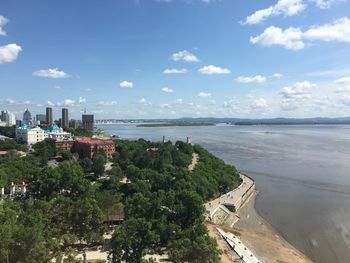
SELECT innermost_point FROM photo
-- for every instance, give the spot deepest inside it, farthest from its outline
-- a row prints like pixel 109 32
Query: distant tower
pixel 27 117
pixel 163 139
pixel 188 140
pixel 49 118
pixel 65 121
pixel 88 121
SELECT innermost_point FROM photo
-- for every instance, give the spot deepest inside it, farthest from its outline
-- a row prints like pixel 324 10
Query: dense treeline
pixel 149 184
pixel 10 144
pixel 80 132
pixel 164 201
pixel 8 131
pixel 212 177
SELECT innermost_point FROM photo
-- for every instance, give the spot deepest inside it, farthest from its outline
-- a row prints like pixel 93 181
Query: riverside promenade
pixel 224 210
pixel 230 202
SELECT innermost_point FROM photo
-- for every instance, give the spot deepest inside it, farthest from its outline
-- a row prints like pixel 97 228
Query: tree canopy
pixel 149 185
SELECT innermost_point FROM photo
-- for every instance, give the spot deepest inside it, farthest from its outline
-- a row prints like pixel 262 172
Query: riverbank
pixel 263 239
pixel 255 232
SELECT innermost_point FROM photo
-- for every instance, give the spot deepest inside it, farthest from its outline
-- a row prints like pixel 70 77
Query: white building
pixel 58 134
pixel 12 119
pixel 28 135
pixel 7 118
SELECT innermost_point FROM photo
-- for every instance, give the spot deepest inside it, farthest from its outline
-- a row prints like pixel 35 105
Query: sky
pixel 127 59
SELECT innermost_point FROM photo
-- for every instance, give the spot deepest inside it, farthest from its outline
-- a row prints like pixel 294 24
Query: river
pixel 302 175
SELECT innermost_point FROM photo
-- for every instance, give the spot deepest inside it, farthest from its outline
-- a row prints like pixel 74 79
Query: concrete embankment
pixel 234 213
pixel 223 209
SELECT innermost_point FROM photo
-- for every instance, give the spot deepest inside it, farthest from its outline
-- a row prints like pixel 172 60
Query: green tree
pixel 130 241
pixel 86 164
pixel 98 165
pixel 9 131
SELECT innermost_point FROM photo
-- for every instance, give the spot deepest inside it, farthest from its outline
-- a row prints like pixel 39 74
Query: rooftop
pixel 93 141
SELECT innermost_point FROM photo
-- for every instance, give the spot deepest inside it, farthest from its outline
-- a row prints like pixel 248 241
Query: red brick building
pixel 87 147
pixel 65 145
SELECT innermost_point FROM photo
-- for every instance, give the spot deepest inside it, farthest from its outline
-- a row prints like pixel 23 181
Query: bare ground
pixel 228 255
pixel 263 239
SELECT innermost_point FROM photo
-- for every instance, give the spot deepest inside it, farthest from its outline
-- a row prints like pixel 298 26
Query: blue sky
pixel 179 58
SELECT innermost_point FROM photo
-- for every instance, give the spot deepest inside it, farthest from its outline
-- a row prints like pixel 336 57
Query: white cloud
pixel 282 7
pixel 338 30
pixel 294 38
pixel 344 80
pixel 184 56
pixel 204 95
pixel 82 100
pixel 211 69
pixel 3 22
pixel 9 53
pixel 325 4
pixel 108 103
pixel 291 38
pixel 293 96
pixel 277 75
pixel 178 102
pixel 144 102
pixel 260 104
pixel 165 106
pixel 175 71
pixel 167 90
pixel 170 105
pixel 67 103
pixel 126 84
pixel 51 73
pixel 17 102
pixel 255 79
pixel 299 90
pixel 50 104
pixel 345 89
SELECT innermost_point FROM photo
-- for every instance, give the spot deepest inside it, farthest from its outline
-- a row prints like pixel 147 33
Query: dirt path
pixel 195 158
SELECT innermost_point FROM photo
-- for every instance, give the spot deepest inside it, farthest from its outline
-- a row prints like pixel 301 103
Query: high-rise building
pixel 3 116
pixel 64 122
pixel 8 118
pixel 88 122
pixel 41 118
pixel 49 118
pixel 74 124
pixel 27 118
pixel 12 119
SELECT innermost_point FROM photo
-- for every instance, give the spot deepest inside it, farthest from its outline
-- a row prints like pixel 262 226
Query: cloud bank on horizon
pixel 205 58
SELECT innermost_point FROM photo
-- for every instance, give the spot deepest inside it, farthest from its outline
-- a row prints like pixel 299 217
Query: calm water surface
pixel 302 174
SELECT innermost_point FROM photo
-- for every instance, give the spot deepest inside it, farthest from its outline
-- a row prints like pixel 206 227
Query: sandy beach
pixel 261 237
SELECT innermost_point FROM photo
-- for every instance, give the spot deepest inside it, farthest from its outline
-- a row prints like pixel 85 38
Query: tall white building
pixel 7 118
pixel 12 119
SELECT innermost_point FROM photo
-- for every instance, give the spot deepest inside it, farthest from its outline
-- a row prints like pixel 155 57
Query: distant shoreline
pixel 175 124
pixel 288 123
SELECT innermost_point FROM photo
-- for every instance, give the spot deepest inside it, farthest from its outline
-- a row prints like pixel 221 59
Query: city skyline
pixel 138 59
